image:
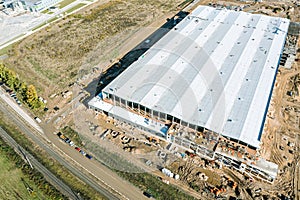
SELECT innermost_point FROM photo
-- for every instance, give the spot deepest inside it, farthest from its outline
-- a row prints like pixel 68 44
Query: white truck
pixel 38 119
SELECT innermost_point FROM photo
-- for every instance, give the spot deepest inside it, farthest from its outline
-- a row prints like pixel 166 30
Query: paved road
pixel 20 112
pixel 99 177
pixel 51 178
pixel 16 28
pixel 29 132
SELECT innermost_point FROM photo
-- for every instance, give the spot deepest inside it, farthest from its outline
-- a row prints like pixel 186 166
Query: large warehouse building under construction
pixel 211 76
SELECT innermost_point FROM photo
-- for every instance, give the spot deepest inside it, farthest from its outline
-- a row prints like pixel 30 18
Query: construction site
pixel 230 132
pixel 254 160
pixel 223 121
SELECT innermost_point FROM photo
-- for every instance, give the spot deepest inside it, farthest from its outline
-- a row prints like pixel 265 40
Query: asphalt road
pixel 16 28
pixel 51 178
pixel 102 179
pixel 29 132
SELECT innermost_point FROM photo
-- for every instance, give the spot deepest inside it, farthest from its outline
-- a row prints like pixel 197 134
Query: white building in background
pixel 31 5
pixel 39 5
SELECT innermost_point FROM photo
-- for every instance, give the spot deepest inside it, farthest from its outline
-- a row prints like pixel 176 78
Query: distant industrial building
pixel 31 5
pixel 39 5
pixel 205 85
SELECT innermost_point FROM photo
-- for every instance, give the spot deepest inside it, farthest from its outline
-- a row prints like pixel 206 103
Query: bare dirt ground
pixel 284 8
pixel 280 140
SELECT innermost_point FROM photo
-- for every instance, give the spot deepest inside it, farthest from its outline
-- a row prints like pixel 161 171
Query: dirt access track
pixel 53 58
pixel 282 131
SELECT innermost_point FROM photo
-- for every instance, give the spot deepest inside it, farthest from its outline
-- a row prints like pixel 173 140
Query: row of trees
pixel 28 93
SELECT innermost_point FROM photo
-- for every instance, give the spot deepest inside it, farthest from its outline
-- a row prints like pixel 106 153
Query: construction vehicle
pixel 217 191
pixel 153 139
pixel 61 136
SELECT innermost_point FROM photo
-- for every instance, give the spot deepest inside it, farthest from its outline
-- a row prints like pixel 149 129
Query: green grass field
pixel 45 11
pixel 77 185
pixel 5 49
pixel 72 135
pixel 14 183
pixel 44 23
pixel 75 7
pixel 9 47
pixel 39 26
pixel 65 3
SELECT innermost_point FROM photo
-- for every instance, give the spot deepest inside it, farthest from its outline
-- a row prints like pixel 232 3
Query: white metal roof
pixel 215 69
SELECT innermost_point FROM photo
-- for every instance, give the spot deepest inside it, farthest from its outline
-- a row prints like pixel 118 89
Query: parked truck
pixel 61 136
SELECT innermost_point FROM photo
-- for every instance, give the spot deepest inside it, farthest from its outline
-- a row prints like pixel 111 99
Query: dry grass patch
pixel 51 58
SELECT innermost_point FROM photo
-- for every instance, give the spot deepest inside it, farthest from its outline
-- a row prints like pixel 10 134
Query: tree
pixel 17 84
pixel 2 71
pixel 22 90
pixel 10 78
pixel 31 96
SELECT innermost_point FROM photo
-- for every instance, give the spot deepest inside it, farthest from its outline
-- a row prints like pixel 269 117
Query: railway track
pixel 49 176
pixel 44 143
